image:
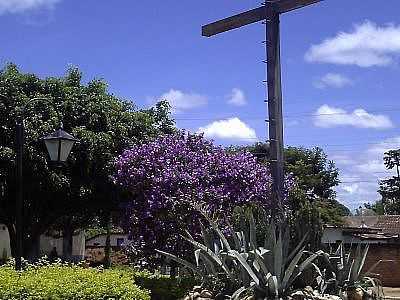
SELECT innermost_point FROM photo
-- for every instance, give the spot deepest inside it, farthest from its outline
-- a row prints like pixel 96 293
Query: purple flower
pixel 163 175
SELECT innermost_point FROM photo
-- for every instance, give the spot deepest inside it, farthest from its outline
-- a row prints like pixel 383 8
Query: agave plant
pixel 272 268
pixel 266 271
pixel 211 256
pixel 345 272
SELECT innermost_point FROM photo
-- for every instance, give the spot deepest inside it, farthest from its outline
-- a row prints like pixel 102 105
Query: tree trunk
pixel 107 250
pixel 68 234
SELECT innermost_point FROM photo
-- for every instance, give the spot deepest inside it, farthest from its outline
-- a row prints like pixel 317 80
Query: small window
pixel 120 242
pixel 96 244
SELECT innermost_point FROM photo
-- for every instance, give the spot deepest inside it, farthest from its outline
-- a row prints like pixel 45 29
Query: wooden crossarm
pixel 284 6
pixel 237 21
pixel 253 16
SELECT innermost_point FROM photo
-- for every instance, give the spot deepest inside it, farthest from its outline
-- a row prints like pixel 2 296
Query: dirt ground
pixel 392 293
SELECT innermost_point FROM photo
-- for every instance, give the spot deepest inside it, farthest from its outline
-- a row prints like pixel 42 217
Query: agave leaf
pixel 340 252
pixel 295 250
pixel 245 265
pixel 362 261
pixel 258 257
pixel 377 285
pixel 262 251
pixel 278 257
pixel 290 269
pixel 286 243
pixel 273 286
pixel 207 238
pixel 270 237
pixel 208 263
pixel 339 249
pixel 236 295
pixel 216 247
pixel 252 230
pixel 210 254
pixel 215 227
pixel 181 261
pixel 375 265
pixel 236 240
pixel 304 265
pixel 256 266
pixel 269 260
pixel 349 274
pixel 348 257
pixel 353 276
pixel 197 256
pixel 244 241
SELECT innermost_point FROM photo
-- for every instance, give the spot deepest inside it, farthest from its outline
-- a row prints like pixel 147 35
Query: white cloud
pixel 384 146
pixel 237 97
pixel 366 45
pixel 360 178
pixel 20 6
pixel 342 160
pixel 352 188
pixel 232 128
pixel 372 166
pixel 327 117
pixel 332 80
pixel 181 101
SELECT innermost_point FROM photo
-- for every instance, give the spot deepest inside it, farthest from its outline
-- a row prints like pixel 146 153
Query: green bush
pixel 45 281
pixel 163 287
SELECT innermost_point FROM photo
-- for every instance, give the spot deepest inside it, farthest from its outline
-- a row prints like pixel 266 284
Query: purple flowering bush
pixel 166 175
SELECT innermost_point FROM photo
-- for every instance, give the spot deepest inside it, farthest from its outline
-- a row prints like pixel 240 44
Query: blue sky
pixel 340 62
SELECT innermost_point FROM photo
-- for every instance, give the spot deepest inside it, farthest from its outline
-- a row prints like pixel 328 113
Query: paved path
pixel 392 293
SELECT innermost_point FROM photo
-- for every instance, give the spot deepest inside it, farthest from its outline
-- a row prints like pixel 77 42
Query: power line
pixel 290 116
pixel 265 139
pixel 360 181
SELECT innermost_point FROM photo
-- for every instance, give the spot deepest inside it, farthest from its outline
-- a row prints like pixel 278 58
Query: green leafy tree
pixel 390 188
pixel 376 207
pixel 313 199
pixel 70 197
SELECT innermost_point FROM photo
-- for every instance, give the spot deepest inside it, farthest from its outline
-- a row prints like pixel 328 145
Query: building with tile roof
pixel 382 233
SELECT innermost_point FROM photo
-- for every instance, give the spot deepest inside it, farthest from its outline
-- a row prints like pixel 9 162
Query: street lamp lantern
pixel 59 145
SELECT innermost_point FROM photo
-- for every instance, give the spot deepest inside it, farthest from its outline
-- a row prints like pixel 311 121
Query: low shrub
pixel 163 287
pixel 56 281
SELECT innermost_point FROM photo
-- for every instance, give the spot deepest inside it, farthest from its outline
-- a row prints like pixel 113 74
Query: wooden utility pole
pixel 270 13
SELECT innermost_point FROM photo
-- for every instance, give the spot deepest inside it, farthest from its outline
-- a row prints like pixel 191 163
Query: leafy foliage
pixel 61 281
pixel 165 175
pixel 105 126
pixel 312 199
pixel 390 188
pixel 162 286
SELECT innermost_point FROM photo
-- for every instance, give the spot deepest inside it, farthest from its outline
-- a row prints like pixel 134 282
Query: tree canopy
pixel 105 126
pixel 390 188
pixel 165 175
pixel 315 178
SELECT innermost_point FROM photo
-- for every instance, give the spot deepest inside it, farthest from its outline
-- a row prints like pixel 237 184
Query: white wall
pixel 4 241
pixel 48 243
pixel 78 245
pixel 334 235
pixel 100 240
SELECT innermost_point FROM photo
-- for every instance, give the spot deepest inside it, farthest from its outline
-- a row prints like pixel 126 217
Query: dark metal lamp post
pixel 59 145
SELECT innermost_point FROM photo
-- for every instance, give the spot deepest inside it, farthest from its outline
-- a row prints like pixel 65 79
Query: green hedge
pixel 45 281
pixel 163 287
